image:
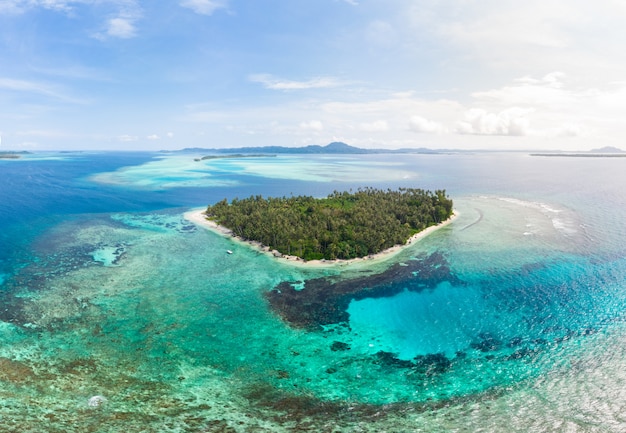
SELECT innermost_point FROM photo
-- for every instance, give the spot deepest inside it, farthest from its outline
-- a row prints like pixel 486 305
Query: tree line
pixel 344 225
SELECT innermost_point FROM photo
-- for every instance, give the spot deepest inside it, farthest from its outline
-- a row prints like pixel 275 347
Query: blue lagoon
pixel 120 314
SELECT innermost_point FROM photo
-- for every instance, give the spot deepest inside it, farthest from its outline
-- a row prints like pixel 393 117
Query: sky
pixel 442 74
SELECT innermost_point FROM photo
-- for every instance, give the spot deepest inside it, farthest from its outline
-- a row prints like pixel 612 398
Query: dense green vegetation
pixel 344 225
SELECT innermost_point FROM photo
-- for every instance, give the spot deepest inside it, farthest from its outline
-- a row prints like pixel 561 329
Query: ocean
pixel 118 314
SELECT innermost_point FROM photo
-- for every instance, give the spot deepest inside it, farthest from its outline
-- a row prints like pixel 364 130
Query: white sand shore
pixel 198 217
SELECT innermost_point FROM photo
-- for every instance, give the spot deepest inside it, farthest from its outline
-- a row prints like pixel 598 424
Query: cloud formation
pixel 388 73
pixel 127 138
pixel 37 88
pixel 20 6
pixel 375 126
pixel 512 121
pixel 203 7
pixel 314 125
pixel 121 25
pixel 273 83
pixel 421 124
pixel 121 28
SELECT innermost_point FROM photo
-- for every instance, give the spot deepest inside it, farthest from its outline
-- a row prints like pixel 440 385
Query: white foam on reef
pixel 503 232
pixel 107 255
pixel 563 223
pixel 96 401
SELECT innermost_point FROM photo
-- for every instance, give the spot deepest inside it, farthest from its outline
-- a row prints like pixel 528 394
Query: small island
pixel 342 226
pixel 234 156
pixel 603 152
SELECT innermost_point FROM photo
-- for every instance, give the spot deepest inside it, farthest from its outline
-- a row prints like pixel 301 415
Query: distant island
pixel 235 155
pixel 340 148
pixel 603 152
pixel 345 225
pixel 335 147
pixel 12 154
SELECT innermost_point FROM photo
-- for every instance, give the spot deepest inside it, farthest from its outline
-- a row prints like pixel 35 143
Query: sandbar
pixel 198 216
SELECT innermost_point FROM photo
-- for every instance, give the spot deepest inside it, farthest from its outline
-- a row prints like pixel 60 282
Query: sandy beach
pixel 198 217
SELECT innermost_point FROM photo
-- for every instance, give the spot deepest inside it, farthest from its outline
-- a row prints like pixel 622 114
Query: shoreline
pixel 198 217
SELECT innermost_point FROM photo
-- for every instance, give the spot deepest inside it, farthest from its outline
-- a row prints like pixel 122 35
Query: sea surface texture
pixel 118 314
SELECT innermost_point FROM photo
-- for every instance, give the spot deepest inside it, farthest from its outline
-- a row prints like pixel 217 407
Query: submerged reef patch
pixel 325 301
pixel 425 365
pixel 307 413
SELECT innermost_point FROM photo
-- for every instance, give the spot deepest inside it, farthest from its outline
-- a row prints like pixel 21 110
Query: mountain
pixel 336 147
pixel 607 149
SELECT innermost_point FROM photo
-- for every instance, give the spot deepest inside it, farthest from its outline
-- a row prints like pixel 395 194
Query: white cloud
pixel 170 135
pixel 570 130
pixel 122 25
pixel 375 126
pixel 527 91
pixel 127 138
pixel 314 125
pixel 559 107
pixel 25 86
pixel 420 124
pixel 20 6
pixel 553 79
pixel 10 7
pixel 153 137
pixel 57 5
pixel 382 34
pixel 512 121
pixel 36 87
pixel 270 82
pixel 533 109
pixel 576 36
pixel 66 6
pixel 203 7
pixel 121 28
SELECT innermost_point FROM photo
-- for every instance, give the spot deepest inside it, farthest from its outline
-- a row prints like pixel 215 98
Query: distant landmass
pixel 603 152
pixel 9 154
pixel 607 149
pixel 340 148
pixel 335 147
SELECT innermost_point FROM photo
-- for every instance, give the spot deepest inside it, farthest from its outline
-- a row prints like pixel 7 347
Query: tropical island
pixel 603 152
pixel 10 154
pixel 234 156
pixel 344 225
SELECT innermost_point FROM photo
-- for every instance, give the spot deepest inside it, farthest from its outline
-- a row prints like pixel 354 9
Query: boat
pixel 229 251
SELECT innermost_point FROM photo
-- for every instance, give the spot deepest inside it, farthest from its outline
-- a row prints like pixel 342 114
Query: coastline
pixel 198 217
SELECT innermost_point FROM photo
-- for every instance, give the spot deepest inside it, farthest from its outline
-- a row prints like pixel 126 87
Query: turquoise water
pixel 508 319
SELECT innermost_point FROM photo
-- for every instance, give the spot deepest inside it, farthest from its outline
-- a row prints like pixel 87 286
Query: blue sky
pixel 151 75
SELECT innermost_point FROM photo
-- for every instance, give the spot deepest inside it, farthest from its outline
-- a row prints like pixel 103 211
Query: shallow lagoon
pixel 114 294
